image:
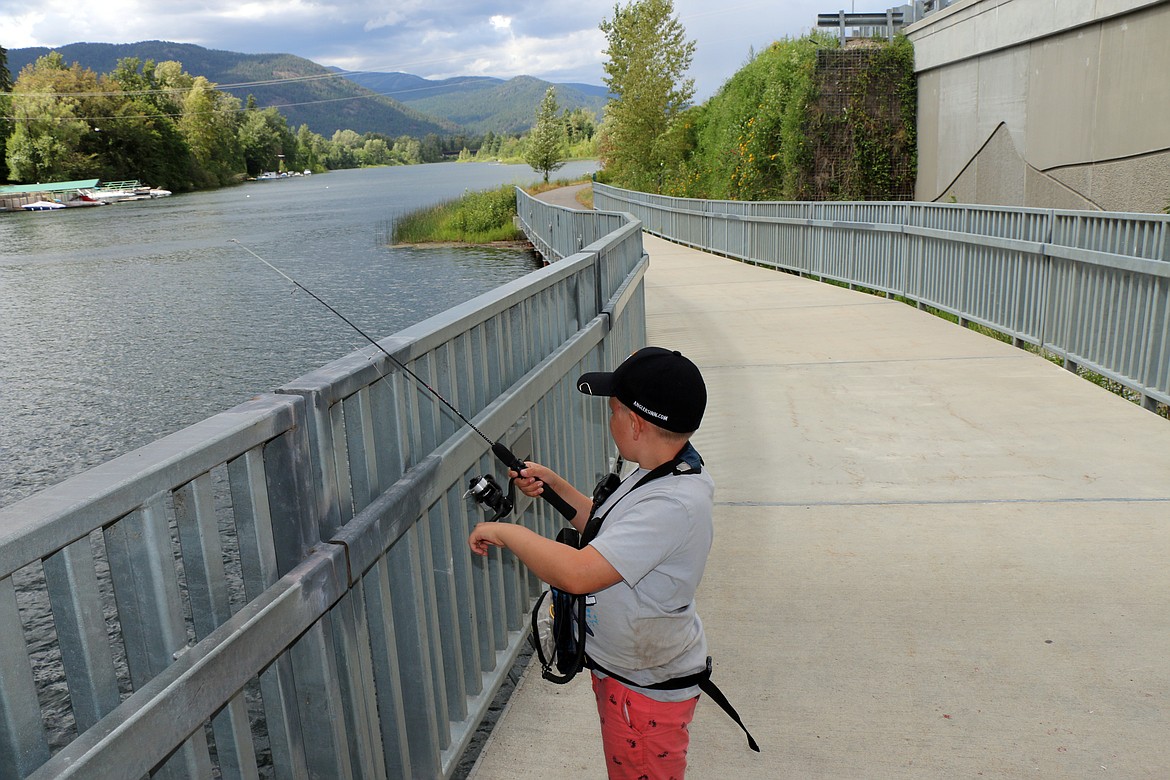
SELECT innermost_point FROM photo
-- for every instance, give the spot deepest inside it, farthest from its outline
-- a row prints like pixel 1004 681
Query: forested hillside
pixel 321 99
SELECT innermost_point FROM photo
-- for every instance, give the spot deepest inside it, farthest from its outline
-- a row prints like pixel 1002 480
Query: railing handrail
pixel 1092 288
pixel 343 602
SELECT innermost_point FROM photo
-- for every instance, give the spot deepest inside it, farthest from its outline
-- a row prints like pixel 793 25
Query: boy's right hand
pixel 530 480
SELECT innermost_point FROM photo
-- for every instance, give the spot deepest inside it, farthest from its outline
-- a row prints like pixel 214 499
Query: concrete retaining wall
pixel 1042 104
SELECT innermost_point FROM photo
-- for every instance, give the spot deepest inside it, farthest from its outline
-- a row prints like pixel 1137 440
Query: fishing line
pixel 368 338
pixel 498 448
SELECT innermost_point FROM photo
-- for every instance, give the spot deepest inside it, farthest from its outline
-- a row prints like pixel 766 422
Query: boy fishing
pixel 645 547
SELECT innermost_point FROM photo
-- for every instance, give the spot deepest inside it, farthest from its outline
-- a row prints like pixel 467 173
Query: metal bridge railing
pixel 1090 287
pixel 284 590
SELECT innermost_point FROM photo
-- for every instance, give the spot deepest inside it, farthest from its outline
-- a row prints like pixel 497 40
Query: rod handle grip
pixel 548 494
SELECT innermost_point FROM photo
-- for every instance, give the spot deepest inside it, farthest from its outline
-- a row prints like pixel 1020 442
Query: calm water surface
pixel 121 324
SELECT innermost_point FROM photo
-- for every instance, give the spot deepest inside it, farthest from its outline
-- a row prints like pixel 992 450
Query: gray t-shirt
pixel 645 627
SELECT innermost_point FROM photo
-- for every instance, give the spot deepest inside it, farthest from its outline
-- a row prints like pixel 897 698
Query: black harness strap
pixel 686 462
pixel 701 679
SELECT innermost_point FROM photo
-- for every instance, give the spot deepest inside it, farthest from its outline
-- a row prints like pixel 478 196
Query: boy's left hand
pixel 483 536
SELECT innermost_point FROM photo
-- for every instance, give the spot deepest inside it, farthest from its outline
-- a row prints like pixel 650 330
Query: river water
pixel 121 324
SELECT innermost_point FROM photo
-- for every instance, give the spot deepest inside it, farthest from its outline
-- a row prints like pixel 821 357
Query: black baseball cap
pixel 658 384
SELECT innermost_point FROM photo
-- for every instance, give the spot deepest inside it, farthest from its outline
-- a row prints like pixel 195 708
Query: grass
pixel 482 217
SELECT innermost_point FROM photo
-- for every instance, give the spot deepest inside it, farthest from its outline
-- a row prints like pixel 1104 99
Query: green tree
pixel 407 150
pixel 5 111
pixel 49 107
pixel 137 136
pixel 375 152
pixel 431 148
pixel 265 140
pixel 546 144
pixel 648 56
pixel 311 150
pixel 170 76
pixel 209 124
pixel 580 125
pixel 343 150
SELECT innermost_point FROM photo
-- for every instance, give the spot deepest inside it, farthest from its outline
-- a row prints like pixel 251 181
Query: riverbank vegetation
pixel 483 217
pixel 475 218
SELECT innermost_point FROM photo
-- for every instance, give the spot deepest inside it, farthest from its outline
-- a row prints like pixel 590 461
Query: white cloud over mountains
pixel 553 39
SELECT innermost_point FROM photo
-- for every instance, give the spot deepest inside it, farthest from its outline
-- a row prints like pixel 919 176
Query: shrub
pixel 474 218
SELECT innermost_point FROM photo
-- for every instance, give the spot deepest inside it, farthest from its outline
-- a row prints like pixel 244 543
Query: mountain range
pixel 327 99
pixel 481 103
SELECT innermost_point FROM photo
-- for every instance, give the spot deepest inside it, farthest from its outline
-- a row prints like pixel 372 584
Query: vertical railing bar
pixel 355 674
pixel 466 606
pixel 341 463
pixel 146 588
pixel 322 711
pixel 359 438
pixel 429 617
pixel 23 744
pixel 449 617
pixel 414 657
pixel 391 702
pixel 386 436
pixel 207 592
pixel 71 579
pixel 259 567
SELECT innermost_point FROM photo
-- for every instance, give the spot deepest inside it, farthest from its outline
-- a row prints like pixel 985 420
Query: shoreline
pixel 519 244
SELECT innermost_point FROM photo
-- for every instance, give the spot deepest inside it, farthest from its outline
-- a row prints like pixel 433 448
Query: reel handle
pixel 551 496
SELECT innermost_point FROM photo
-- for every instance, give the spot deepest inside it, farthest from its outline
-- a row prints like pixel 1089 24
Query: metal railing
pixel 1092 288
pixel 864 25
pixel 284 590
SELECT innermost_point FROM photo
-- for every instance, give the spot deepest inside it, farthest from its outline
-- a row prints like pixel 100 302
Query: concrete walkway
pixel 936 555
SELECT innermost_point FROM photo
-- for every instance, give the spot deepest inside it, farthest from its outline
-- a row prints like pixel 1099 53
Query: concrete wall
pixel 1046 103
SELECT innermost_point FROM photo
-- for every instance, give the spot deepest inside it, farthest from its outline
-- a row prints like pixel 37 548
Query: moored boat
pixel 117 191
pixel 82 198
pixel 43 205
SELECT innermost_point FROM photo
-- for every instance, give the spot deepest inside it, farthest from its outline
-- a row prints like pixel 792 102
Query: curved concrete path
pixel 564 196
pixel 936 555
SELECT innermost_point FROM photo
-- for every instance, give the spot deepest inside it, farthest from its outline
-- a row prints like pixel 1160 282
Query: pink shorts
pixel 644 739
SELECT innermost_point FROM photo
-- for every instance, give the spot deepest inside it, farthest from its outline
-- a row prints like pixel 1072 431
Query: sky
pixel 555 40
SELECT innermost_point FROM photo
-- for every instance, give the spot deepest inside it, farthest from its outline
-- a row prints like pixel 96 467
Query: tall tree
pixel 546 144
pixel 311 150
pixel 5 111
pixel 138 136
pixel 266 140
pixel 648 56
pixel 51 104
pixel 209 124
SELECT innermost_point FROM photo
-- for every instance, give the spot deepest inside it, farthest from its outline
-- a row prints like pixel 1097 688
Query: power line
pixel 245 85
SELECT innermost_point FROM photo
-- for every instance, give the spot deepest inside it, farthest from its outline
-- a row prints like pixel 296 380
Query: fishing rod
pixel 484 489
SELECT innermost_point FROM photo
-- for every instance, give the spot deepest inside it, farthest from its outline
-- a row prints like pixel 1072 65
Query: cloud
pixel 556 40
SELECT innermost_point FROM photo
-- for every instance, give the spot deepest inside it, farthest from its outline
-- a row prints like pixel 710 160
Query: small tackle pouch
pixel 558 618
pixel 558 627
